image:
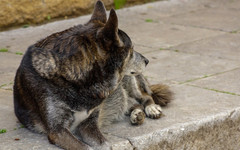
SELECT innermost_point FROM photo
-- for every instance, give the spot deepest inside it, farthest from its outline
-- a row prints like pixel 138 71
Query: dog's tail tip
pixel 161 94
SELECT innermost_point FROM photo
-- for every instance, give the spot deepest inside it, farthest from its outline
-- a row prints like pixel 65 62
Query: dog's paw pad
pixel 137 116
pixel 153 111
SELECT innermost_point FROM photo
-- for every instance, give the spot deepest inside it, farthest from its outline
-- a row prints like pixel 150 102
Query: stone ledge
pixel 219 131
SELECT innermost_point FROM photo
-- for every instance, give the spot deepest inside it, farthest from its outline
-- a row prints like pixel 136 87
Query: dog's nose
pixel 146 61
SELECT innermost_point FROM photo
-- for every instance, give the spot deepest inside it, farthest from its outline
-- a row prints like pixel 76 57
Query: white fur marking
pixel 134 115
pixel 153 110
pixel 79 116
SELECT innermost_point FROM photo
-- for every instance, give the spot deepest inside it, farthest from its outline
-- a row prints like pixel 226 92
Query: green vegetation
pixel 19 53
pixel 25 26
pixel 215 90
pixel 149 20
pixel 176 50
pixel 219 91
pixel 3 85
pixel 3 131
pixel 48 17
pixel 235 31
pixel 3 50
pixel 119 3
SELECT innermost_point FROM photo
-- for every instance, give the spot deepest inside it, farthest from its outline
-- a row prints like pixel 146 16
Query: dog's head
pixel 115 43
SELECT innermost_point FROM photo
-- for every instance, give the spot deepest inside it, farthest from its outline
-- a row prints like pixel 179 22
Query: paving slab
pixel 177 67
pixel 227 82
pixel 225 46
pixel 211 18
pixel 156 11
pixel 23 139
pixel 194 109
pixel 6 80
pixel 161 35
pixel 9 62
pixel 7 116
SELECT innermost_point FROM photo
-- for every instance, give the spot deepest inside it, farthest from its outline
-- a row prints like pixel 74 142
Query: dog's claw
pixel 153 111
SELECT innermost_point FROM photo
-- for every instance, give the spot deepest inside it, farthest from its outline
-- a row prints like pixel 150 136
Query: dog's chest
pixel 79 116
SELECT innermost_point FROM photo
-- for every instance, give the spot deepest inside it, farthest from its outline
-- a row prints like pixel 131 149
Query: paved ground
pixel 193 46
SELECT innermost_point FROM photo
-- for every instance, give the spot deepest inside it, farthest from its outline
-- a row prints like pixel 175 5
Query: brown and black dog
pixel 63 78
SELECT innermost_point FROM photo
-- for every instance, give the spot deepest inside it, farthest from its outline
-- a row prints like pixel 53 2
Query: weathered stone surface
pixel 23 139
pixel 213 132
pixel 196 118
pixel 211 18
pixel 180 67
pixel 161 35
pixel 225 46
pixel 7 117
pixel 6 81
pixel 9 62
pixel 227 82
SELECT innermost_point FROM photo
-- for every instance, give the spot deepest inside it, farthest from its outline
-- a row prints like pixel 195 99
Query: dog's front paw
pixel 153 111
pixel 137 116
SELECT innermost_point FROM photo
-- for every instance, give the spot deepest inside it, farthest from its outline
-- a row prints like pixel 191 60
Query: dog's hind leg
pixel 88 131
pixel 66 140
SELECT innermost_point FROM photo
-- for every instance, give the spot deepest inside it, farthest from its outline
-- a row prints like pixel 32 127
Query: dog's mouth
pixel 134 73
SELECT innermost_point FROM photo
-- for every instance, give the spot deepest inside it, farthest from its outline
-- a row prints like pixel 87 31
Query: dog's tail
pixel 161 94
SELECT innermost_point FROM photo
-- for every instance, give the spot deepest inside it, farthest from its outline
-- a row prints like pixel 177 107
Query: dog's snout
pixel 146 61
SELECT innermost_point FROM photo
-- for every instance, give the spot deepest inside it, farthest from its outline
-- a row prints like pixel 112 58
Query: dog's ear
pixel 99 12
pixel 110 30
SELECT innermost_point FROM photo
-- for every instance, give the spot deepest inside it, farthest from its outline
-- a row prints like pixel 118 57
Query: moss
pixel 148 20
pixel 220 91
pixel 235 31
pixel 3 85
pixel 19 53
pixel 3 131
pixel 215 90
pixel 206 76
pixel 3 50
pixel 26 26
pixel 176 50
pixel 48 17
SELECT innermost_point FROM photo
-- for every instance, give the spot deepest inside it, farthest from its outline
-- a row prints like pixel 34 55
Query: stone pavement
pixel 193 46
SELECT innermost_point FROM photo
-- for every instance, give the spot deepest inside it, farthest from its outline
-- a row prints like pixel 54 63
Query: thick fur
pixel 135 98
pixel 63 79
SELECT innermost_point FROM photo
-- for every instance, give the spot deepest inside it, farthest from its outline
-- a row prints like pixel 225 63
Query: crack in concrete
pixel 206 76
pixel 200 27
pixel 215 90
pixel 5 85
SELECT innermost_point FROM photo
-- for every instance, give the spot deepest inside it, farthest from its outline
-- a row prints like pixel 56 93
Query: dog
pixel 136 98
pixel 64 78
